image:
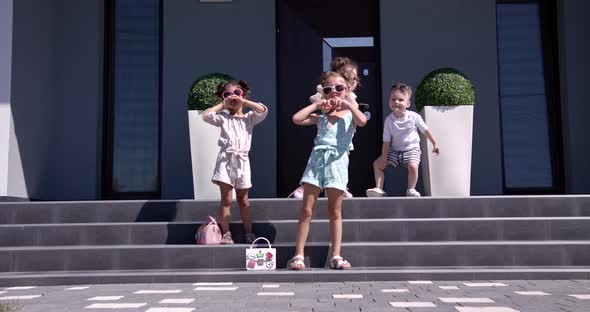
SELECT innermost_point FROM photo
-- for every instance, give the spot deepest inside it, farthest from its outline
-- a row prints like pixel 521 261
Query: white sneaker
pixel 412 193
pixel 375 192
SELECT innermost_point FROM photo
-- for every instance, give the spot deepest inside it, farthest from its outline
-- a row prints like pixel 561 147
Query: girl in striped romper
pixel 401 142
pixel 232 169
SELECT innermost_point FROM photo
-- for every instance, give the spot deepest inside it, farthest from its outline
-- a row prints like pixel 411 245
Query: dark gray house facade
pixel 93 93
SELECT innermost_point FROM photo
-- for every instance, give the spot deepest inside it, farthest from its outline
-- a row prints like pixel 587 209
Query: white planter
pixel 449 173
pixel 204 150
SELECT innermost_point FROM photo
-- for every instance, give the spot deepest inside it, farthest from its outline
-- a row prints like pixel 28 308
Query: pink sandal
pixel 297 193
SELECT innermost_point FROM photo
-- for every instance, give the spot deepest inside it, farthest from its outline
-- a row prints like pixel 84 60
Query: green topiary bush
pixel 202 93
pixel 444 87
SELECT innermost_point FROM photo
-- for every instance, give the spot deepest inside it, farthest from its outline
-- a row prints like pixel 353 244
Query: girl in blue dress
pixel 327 167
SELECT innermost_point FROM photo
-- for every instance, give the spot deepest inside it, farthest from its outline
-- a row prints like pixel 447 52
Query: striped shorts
pixel 394 158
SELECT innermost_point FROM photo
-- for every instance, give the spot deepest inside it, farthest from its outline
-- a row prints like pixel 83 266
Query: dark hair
pixel 222 86
pixel 401 87
pixel 343 66
pixel 326 75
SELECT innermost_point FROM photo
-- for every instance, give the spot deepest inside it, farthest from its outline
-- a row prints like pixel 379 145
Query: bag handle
pixel 212 220
pixel 254 242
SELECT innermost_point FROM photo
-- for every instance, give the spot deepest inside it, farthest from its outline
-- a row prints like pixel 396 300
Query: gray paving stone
pixel 316 296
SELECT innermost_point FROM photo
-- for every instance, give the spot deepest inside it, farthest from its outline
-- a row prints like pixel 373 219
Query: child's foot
pixel 347 194
pixel 296 263
pixel 337 263
pixel 297 193
pixel 249 238
pixel 412 193
pixel 226 239
pixel 375 192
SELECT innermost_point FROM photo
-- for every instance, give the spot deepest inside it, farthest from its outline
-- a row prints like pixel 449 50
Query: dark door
pixel 310 33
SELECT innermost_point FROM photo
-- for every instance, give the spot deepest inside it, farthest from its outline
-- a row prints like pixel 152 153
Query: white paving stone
pixel 414 304
pixel 170 310
pixel 485 284
pixel 276 293
pixel 154 291
pixel 271 286
pixel 78 288
pixel 582 296
pixel 116 305
pixel 394 290
pixel 347 296
pixel 216 288
pixel 177 301
pixel 465 300
pixel 420 282
pixel 485 309
pixel 532 293
pixel 20 288
pixel 214 284
pixel 20 297
pixel 448 287
pixel 105 298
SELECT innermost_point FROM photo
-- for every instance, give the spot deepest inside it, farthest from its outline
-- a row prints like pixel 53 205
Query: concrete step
pixel 361 254
pixel 287 276
pixel 279 209
pixel 283 231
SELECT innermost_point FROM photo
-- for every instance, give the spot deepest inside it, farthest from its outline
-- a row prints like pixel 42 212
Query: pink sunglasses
pixel 227 94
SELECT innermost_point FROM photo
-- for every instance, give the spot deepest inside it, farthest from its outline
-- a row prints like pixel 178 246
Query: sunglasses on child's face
pixel 338 88
pixel 227 94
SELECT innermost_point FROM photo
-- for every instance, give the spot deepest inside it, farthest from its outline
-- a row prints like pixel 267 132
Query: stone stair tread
pixel 315 220
pixel 288 276
pixel 292 244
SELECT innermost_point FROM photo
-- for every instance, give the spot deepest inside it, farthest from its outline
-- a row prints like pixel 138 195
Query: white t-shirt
pixel 401 132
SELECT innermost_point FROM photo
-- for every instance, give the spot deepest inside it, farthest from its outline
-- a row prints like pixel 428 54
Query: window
pixel 529 101
pixel 132 99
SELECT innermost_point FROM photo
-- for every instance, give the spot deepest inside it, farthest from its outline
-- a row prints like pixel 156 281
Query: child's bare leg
pixel 224 209
pixel 310 195
pixel 378 171
pixel 242 199
pixel 412 175
pixel 335 217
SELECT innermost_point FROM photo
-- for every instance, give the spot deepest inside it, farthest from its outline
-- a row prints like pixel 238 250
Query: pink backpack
pixel 208 233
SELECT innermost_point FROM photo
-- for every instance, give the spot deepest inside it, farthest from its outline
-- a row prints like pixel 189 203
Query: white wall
pixel 574 49
pixel 5 72
pixel 419 36
pixel 236 38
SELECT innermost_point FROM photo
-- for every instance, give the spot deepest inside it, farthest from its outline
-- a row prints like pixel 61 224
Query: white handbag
pixel 261 258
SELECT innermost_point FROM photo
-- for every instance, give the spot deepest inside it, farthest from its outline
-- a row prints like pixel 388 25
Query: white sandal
pixel 296 263
pixel 338 263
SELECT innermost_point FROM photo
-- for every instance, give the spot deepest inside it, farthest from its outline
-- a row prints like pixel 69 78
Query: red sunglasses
pixel 227 94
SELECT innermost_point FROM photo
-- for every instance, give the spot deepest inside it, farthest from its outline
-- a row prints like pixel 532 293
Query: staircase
pixel 474 238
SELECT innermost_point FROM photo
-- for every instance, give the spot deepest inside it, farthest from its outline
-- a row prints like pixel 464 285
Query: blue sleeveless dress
pixel 328 163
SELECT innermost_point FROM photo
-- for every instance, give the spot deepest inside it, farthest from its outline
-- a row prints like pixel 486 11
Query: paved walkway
pixel 481 296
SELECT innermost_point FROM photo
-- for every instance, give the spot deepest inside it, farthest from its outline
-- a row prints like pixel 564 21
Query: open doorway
pixel 310 34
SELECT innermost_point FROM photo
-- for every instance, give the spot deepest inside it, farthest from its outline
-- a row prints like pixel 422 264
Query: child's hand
pixel 327 106
pixel 435 149
pixel 344 104
pixel 232 101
